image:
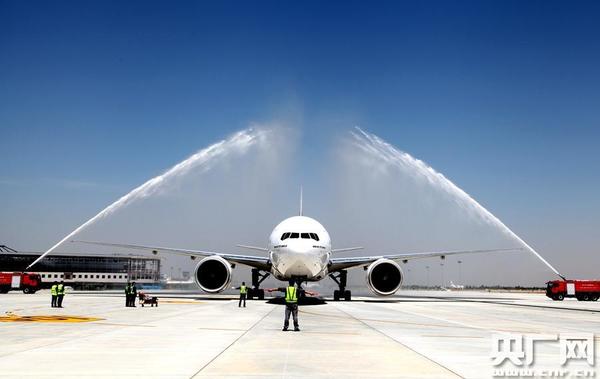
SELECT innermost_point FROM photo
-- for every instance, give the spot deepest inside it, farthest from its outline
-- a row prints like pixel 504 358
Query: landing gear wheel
pixel 340 278
pixel 257 279
pixel 347 295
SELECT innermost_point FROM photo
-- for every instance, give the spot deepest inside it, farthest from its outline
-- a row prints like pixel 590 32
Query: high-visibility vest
pixel 127 289
pixel 53 290
pixel 60 289
pixel 290 295
pixel 243 290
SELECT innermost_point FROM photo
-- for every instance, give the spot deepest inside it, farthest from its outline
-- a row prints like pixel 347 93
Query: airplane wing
pixel 253 248
pixel 346 249
pixel 261 263
pixel 336 264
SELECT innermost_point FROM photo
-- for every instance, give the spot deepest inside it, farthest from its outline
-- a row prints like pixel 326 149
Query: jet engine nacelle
pixel 384 277
pixel 213 274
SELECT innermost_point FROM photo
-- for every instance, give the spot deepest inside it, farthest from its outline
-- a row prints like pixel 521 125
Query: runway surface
pixel 416 334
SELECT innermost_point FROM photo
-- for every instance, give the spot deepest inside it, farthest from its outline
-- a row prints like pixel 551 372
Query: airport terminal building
pixel 85 271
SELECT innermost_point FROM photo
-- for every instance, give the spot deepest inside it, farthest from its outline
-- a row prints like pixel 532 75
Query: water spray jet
pixel 391 156
pixel 203 159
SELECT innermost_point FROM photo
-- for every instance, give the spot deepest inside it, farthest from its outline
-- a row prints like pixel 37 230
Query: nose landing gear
pixel 340 279
pixel 257 279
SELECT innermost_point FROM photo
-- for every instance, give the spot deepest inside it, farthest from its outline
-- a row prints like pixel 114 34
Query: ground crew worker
pixel 60 292
pixel 292 293
pixel 133 295
pixel 127 294
pixel 54 293
pixel 243 293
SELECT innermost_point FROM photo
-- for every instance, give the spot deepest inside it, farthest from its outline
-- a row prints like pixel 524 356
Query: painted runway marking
pixel 522 327
pixel 232 343
pixel 59 318
pixel 379 320
pixel 398 342
pixel 499 301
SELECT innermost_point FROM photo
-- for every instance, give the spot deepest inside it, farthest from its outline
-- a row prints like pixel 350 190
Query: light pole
pixel 427 268
pixel 442 265
pixel 459 273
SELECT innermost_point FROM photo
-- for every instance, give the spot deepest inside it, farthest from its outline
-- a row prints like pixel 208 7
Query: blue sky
pixel 501 97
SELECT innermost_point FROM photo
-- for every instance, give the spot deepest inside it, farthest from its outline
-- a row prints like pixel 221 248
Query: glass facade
pixel 137 268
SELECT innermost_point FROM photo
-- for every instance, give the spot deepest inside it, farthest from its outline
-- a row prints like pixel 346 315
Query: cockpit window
pixel 287 235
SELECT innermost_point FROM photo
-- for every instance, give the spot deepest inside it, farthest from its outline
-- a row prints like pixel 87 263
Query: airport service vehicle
pixel 298 248
pixel 582 290
pixel 147 299
pixel 28 282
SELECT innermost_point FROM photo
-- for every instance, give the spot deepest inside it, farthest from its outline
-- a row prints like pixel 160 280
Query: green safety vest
pixel 243 290
pixel 60 289
pixel 53 290
pixel 290 295
pixel 127 289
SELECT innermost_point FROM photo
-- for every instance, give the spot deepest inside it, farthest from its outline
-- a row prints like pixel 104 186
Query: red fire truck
pixel 582 290
pixel 28 282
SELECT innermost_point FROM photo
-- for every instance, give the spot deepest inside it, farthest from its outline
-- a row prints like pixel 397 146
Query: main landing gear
pixel 257 279
pixel 340 279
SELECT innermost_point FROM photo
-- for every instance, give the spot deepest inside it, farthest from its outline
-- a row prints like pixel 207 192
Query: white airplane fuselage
pixel 300 248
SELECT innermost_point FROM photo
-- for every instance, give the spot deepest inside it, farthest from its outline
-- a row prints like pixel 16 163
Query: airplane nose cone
pixel 300 246
pixel 298 263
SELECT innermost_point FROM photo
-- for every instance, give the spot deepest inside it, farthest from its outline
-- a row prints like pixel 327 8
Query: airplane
pixel 456 286
pixel 300 249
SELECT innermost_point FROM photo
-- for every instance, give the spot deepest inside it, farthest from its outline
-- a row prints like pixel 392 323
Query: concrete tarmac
pixel 416 334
